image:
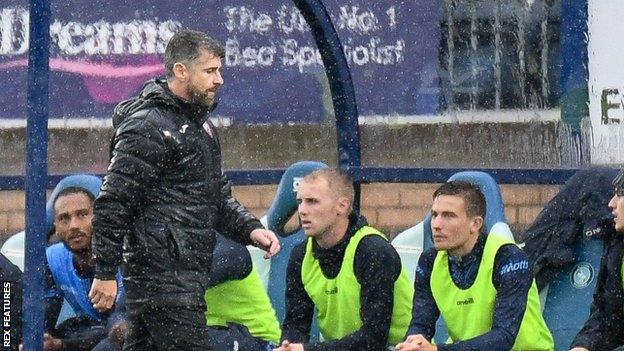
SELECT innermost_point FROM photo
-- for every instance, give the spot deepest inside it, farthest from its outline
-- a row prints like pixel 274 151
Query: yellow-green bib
pixel 338 300
pixel 244 302
pixel 468 313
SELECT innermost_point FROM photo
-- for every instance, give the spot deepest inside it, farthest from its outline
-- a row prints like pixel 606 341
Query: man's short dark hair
pixel 472 195
pixel 187 45
pixel 618 183
pixel 74 190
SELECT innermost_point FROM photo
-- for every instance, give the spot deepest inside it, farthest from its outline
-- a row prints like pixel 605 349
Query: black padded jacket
pixel 163 198
pixel 603 329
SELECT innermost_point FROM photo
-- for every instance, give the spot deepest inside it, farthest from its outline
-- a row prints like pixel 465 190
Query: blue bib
pixel 73 287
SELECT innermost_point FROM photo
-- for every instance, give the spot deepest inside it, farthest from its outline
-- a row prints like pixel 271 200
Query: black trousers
pixel 167 328
pixel 236 337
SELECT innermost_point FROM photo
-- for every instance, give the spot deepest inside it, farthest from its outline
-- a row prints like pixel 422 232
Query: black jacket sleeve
pixel 299 306
pixel 230 261
pixel 603 330
pixel 425 311
pixel 377 266
pixel 89 337
pixel 236 222
pixel 137 156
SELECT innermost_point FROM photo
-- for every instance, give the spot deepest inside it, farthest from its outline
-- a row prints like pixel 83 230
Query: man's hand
pixel 416 343
pixel 579 349
pixel 266 240
pixel 102 294
pixel 49 343
pixel 118 333
pixel 287 346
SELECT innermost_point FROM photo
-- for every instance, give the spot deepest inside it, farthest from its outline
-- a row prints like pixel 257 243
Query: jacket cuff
pixel 250 227
pixel 105 272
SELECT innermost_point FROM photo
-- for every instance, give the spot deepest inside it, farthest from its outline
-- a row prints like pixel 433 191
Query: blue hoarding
pixel 102 53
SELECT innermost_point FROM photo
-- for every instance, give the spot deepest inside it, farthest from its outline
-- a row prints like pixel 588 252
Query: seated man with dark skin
pixel 69 274
pixel 604 329
pixel 480 283
pixel 346 270
pixel 239 311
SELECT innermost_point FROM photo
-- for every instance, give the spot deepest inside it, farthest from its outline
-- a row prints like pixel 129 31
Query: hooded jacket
pixel 163 199
pixel 579 209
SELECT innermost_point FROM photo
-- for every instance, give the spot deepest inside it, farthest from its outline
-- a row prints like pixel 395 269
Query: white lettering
pixel 351 18
pixel 243 19
pixel 512 267
pixel 302 56
pixel 248 56
pixel 289 20
pixel 66 38
pixel 96 41
pixel 99 38
pixel 391 12
pixel 360 55
pixel 14 31
pixel 373 52
pixel 6 320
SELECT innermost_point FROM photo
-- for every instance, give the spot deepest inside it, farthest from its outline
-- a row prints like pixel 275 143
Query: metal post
pixel 36 172
pixel 574 73
pixel 340 84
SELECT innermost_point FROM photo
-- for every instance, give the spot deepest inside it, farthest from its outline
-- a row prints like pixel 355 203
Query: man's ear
pixel 477 224
pixel 180 71
pixel 343 205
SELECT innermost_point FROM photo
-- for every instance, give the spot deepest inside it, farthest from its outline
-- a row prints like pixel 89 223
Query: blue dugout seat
pixel 566 300
pixel 413 241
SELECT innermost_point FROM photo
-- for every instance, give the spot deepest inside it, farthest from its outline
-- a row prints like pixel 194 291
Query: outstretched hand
pixel 287 346
pixel 416 343
pixel 102 294
pixel 266 240
pixel 50 343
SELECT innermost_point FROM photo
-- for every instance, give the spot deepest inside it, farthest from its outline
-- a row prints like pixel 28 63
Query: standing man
pixel 481 284
pixel 345 270
pixel 604 329
pixel 163 200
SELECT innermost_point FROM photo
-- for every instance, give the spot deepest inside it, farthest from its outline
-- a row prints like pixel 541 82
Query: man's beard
pixel 199 97
pixel 81 251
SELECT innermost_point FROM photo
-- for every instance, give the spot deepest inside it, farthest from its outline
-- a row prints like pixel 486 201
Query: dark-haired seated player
pixel 481 284
pixel 604 329
pixel 69 274
pixel 239 313
pixel 345 270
